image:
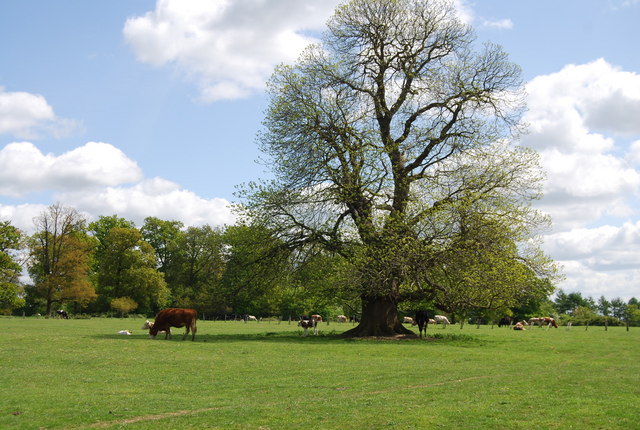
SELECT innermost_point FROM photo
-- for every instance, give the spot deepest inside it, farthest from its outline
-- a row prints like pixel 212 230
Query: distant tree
pixel 196 270
pixel 163 236
pixel 60 256
pixel 633 314
pixel 618 308
pixel 604 307
pixel 321 283
pixel 255 267
pixel 128 269
pixel 124 305
pixel 567 303
pixel 11 290
pixel 584 315
pixel 101 228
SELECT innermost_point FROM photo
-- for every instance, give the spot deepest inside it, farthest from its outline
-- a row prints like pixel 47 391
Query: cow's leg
pixel 168 333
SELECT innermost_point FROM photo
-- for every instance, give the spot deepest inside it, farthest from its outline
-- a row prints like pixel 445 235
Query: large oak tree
pixel 390 143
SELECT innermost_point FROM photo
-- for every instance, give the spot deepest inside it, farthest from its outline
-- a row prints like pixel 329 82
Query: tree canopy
pixel 10 268
pixel 391 147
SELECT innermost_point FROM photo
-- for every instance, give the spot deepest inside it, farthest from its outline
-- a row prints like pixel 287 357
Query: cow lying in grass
pixel 520 325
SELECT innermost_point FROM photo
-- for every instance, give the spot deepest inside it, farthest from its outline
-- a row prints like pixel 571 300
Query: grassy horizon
pixel 80 374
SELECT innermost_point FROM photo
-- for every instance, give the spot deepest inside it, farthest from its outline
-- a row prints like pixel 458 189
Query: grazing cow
pixel 442 319
pixel 533 321
pixel 505 321
pixel 174 317
pixel 422 320
pixel 317 318
pixel 342 318
pixel 62 314
pixel 251 318
pixel 148 324
pixel 408 320
pixel 549 322
pixel 306 324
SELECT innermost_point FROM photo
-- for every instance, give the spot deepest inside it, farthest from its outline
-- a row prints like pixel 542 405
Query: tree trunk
pixel 379 318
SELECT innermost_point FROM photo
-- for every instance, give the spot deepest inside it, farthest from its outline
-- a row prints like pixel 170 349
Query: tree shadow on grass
pixel 298 338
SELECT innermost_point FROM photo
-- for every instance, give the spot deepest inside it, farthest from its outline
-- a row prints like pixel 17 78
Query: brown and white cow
pixel 342 318
pixel 174 317
pixel 307 324
pixel 548 321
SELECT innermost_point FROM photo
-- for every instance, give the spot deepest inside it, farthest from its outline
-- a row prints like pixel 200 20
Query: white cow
pixel 442 319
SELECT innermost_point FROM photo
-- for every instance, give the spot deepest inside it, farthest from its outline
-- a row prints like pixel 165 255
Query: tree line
pixel 109 266
pixel 574 308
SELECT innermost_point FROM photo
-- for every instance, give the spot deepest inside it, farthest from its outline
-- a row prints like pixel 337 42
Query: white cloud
pixel 228 47
pixel 21 216
pixel 465 11
pixel 152 197
pixel 25 169
pixel 599 261
pixel 577 133
pixel 583 122
pixel 97 179
pixel 624 4
pixel 501 24
pixel 27 116
pixel 633 156
pixel 595 282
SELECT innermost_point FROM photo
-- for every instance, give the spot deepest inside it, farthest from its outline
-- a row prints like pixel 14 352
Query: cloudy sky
pixel 151 108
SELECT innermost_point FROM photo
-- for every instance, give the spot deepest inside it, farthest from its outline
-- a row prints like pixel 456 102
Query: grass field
pixel 80 374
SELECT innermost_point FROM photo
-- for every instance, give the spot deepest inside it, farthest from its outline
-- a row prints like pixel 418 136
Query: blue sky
pixel 151 108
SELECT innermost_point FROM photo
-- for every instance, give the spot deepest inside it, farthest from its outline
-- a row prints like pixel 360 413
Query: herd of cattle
pixel 177 317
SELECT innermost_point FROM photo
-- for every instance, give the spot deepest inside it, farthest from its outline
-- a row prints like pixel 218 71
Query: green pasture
pixel 80 374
